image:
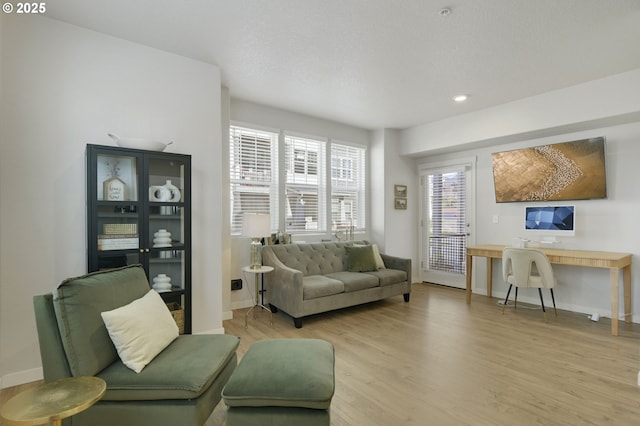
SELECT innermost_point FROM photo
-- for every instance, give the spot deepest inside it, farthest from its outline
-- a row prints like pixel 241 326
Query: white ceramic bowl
pixel 139 143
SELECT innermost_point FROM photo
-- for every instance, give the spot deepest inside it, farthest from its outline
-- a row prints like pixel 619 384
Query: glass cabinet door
pixel 115 227
pixel 166 225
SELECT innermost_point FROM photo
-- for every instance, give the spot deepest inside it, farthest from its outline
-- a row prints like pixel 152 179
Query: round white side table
pixel 259 273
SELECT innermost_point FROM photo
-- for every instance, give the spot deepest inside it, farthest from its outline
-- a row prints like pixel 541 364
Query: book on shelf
pixel 120 228
pixel 116 236
pixel 118 243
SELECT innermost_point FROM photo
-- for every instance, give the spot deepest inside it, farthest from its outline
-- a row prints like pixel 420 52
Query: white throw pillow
pixel 377 257
pixel 141 330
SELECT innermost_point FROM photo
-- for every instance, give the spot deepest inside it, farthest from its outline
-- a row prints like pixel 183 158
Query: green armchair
pixel 181 386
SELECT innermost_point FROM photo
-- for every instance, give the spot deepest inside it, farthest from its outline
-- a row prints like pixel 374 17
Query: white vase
pixel 161 282
pixel 162 238
pixel 175 192
pixel 159 193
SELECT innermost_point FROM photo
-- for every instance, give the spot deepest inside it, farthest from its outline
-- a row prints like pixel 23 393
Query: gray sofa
pixel 318 277
pixel 180 386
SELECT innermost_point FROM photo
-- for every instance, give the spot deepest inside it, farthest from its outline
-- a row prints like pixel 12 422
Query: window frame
pixel 252 182
pixel 326 183
pixel 304 183
pixel 359 190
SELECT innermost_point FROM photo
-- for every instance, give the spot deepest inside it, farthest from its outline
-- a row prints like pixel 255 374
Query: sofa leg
pixel 274 310
pixel 297 322
pixel 406 296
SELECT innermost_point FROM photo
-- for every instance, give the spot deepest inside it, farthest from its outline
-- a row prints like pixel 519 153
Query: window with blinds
pixel 348 184
pixel 305 184
pixel 322 192
pixel 446 236
pixel 253 165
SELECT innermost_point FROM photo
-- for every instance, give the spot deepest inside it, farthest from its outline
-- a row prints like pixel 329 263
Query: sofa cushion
pixel 361 258
pixel 311 259
pixel 376 255
pixel 283 373
pixel 389 276
pixel 184 370
pixel 354 281
pixel 315 286
pixel 141 329
pixel 78 303
pixel 314 258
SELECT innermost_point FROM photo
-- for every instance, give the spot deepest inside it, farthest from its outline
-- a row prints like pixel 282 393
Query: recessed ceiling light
pixel 444 12
pixel 460 98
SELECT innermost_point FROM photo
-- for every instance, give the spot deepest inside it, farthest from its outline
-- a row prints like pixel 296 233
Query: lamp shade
pixel 255 225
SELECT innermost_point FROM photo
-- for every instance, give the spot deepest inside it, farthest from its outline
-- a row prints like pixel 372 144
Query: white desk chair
pixel 518 269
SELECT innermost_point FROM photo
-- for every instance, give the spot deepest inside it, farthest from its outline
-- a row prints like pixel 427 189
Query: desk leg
pixel 626 278
pixel 469 269
pixel 614 276
pixel 489 276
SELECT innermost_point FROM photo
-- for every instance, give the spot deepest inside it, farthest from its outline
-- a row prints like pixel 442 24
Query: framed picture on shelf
pixel 400 203
pixel 400 191
pixel 124 168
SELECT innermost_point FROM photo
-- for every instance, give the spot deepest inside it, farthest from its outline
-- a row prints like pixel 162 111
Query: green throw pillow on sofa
pixel 361 258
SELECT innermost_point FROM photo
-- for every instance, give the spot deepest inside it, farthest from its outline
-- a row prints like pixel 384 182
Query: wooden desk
pixel 593 259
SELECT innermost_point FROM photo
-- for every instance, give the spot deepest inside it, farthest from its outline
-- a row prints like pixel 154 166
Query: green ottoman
pixel 282 382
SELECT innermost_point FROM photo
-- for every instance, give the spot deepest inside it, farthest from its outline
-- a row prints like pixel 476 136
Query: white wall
pixel 278 120
pixel 587 110
pixel 225 207
pixel 64 87
pixel 379 197
pixel 394 230
pixel 401 237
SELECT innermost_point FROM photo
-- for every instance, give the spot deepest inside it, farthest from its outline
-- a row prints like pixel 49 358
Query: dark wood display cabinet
pixel 139 211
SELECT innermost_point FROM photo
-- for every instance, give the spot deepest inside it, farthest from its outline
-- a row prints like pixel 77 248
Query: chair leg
pixel 554 302
pixel 515 301
pixel 507 298
pixel 544 312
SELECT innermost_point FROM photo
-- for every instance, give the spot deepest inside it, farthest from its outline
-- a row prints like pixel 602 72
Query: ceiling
pixel 381 63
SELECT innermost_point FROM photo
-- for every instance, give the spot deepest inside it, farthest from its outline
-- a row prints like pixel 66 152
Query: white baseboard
pixel 21 377
pixel 535 300
pixel 212 331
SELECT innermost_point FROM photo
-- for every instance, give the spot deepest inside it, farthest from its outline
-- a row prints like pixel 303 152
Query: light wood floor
pixel 436 360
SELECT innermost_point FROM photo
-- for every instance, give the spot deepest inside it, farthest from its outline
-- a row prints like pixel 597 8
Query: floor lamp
pixel 256 226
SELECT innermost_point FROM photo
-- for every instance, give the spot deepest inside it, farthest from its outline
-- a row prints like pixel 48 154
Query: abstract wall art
pixel 564 171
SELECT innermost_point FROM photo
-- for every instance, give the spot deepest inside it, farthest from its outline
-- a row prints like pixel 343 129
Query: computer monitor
pixel 550 220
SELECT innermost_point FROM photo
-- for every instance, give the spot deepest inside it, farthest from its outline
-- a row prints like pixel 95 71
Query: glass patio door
pixel 445 225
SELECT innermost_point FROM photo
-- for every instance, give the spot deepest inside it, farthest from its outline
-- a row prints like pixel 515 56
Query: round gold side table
pixel 53 401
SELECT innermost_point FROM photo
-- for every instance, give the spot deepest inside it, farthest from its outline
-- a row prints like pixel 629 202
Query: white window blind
pixel 446 236
pixel 305 186
pixel 348 184
pixel 253 158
